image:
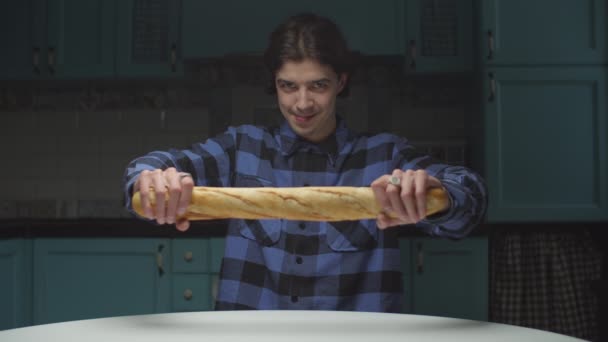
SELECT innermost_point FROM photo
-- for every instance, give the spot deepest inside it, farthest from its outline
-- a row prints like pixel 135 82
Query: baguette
pixel 340 203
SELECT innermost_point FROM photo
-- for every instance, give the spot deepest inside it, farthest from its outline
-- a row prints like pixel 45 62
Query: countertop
pixel 267 326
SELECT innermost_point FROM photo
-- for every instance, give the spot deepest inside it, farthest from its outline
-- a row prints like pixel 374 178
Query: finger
pixel 420 181
pixel 175 189
pixel 408 195
pixel 144 193
pixel 159 190
pixel 384 221
pixel 187 184
pixel 182 224
pixel 379 189
pixel 394 194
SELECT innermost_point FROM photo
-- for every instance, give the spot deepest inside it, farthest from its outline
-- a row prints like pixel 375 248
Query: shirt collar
pixel 290 142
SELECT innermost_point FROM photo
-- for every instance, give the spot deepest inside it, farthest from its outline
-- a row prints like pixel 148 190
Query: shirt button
pixel 299 260
pixel 302 225
pixel 294 299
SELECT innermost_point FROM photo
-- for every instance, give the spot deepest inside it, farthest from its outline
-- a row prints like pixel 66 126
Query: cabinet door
pixel 405 247
pixel 80 40
pixel 18 40
pixel 439 35
pixel 544 31
pixel 546 148
pixel 450 278
pixel 15 286
pixel 90 278
pixel 239 26
pixel 148 43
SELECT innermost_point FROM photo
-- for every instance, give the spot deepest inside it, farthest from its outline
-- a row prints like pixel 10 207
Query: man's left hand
pixel 402 194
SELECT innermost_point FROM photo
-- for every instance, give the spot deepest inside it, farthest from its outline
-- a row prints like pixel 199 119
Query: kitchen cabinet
pixel 546 32
pixel 20 39
pixel 196 265
pixel 237 26
pixel 543 122
pixel 546 141
pixel 439 36
pixel 82 278
pixel 79 38
pixel 148 38
pixel 15 287
pixel 89 39
pixel 446 278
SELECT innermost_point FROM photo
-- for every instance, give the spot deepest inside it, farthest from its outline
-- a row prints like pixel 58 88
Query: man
pixel 281 264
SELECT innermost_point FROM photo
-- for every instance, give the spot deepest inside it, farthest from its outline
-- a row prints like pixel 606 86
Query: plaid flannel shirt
pixel 282 264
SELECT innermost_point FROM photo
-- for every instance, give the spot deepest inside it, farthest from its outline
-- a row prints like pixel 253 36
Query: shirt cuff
pixel 446 215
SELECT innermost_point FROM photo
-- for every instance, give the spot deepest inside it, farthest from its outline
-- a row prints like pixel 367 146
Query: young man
pixel 281 264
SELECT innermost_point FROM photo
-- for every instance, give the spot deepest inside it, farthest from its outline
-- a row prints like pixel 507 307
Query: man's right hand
pixel 178 185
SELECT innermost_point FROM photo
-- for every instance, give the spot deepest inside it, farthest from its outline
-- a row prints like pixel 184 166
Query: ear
pixel 342 79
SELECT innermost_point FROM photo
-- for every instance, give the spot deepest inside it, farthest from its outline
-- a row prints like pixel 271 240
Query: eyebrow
pixel 327 80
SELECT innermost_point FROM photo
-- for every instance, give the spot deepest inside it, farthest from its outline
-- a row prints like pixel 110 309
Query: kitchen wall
pixel 65 144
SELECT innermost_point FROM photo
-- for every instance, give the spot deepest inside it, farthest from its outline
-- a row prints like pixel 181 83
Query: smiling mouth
pixel 303 119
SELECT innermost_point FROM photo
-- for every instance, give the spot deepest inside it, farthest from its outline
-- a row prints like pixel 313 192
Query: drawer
pixel 191 292
pixel 190 255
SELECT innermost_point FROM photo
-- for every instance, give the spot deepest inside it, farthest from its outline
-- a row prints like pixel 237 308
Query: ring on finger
pixel 394 180
pixel 183 175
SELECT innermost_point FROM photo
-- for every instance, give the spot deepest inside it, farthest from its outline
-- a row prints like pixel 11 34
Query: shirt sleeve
pixel 209 163
pixel 467 192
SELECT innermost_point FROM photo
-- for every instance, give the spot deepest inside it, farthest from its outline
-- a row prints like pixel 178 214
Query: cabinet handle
pixel 36 60
pixel 188 256
pixel 159 260
pixel 490 45
pixel 413 54
pixel 173 58
pixel 420 259
pixel 188 294
pixel 51 60
pixel 492 87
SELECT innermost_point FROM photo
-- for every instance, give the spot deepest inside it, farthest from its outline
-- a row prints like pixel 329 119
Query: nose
pixel 304 101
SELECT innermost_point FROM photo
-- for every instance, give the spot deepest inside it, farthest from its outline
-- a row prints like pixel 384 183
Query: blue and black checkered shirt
pixel 281 264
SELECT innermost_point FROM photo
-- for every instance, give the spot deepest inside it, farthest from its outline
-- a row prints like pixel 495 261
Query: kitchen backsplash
pixel 65 144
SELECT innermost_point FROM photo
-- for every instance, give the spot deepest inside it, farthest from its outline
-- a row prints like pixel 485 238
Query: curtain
pixel 543 280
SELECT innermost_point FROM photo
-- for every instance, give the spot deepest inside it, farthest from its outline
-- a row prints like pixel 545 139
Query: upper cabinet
pixel 75 39
pixel 148 38
pixel 546 144
pixel 20 39
pixel 439 35
pixel 544 32
pixel 236 26
pixel 79 39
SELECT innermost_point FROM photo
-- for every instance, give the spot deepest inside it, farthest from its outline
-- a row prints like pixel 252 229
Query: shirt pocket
pixel 352 236
pixel 264 232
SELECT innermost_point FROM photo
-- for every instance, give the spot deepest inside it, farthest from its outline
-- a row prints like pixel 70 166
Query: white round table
pixel 265 326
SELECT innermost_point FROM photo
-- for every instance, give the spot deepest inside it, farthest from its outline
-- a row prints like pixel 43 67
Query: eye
pixel 286 86
pixel 319 85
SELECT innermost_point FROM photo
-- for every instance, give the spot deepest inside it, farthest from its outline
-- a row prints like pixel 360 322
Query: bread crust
pixel 328 203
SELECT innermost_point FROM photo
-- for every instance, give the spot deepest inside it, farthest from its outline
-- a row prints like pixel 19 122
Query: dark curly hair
pixel 308 35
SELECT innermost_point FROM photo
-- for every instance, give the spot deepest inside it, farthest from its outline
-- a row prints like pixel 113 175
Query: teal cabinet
pixel 19 36
pixel 446 278
pixel 148 38
pixel 15 286
pixel 547 32
pixel 90 39
pixel 238 26
pixel 546 142
pixel 88 278
pixel 196 265
pixel 439 36
pixel 80 38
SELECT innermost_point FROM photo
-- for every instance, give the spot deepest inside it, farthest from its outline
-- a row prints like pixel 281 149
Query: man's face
pixel 307 93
